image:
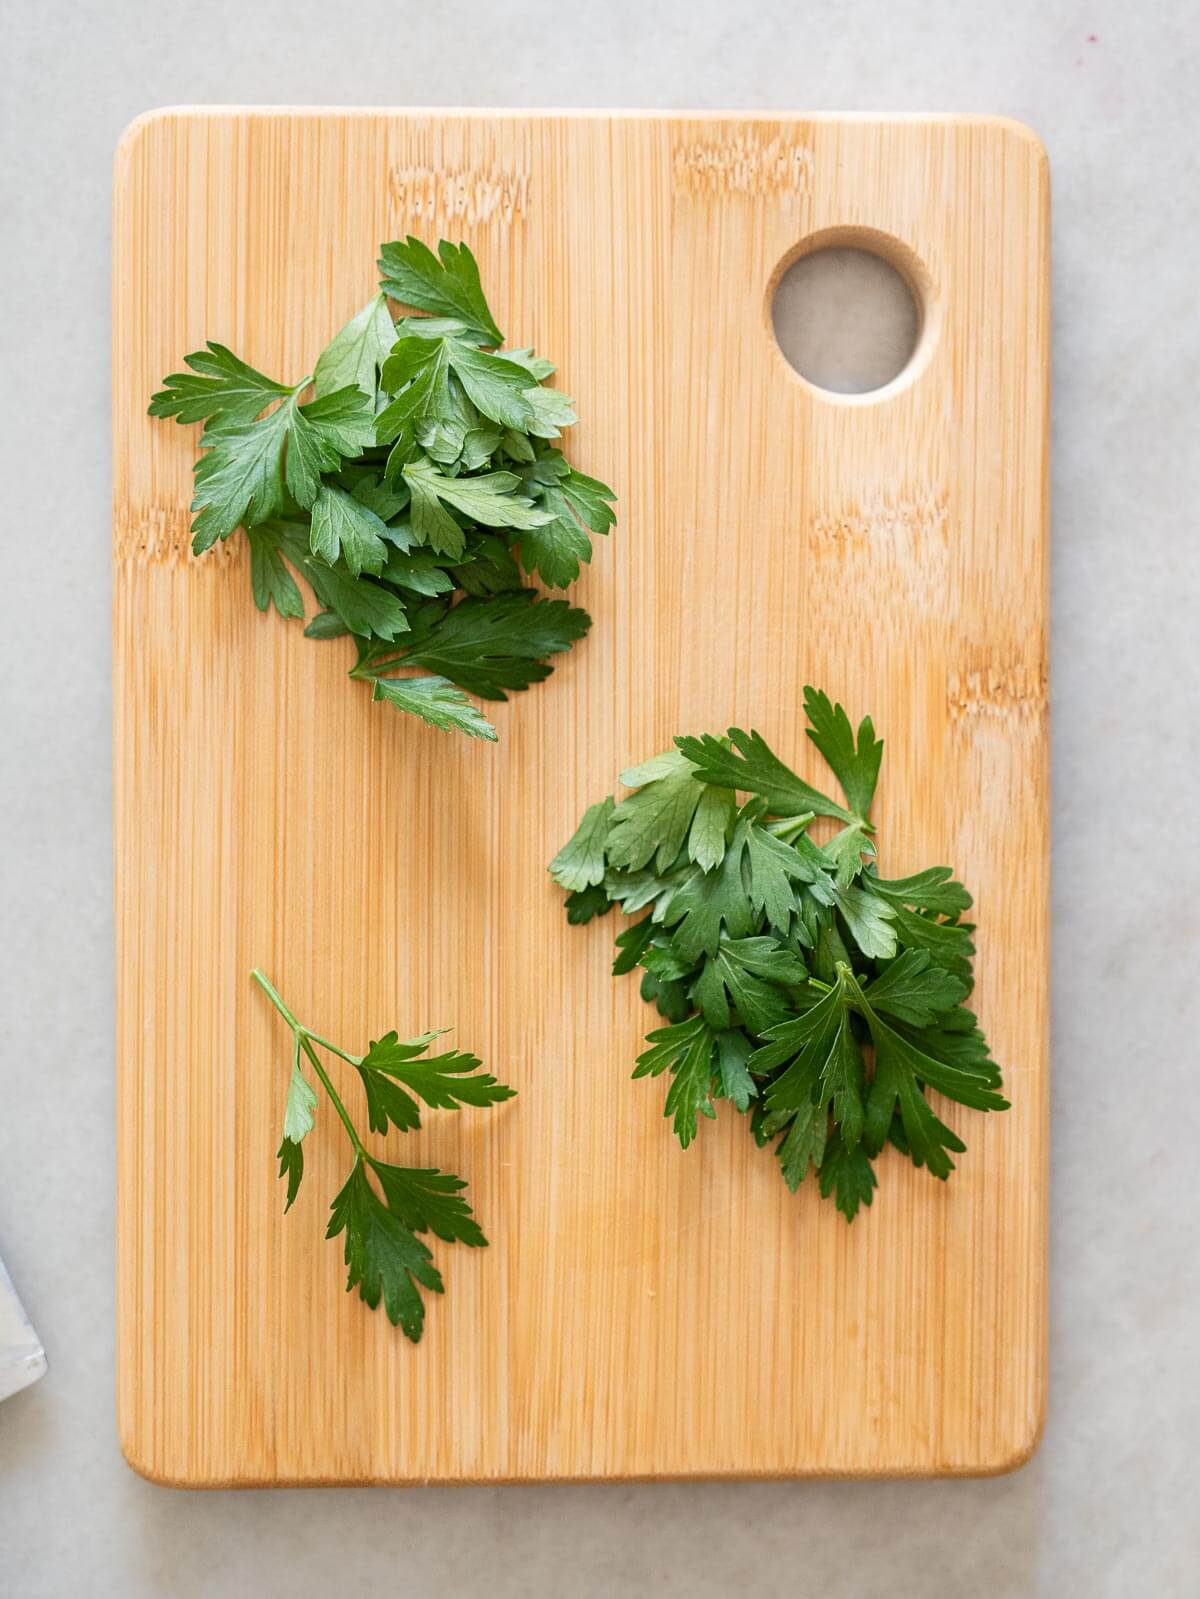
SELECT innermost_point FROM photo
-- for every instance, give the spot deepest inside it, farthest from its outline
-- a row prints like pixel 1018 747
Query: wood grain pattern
pixel 642 1312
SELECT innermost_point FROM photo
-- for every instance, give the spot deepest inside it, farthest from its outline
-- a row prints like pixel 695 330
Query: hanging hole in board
pixel 849 312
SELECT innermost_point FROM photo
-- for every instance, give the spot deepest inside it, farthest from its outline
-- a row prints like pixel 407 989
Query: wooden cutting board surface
pixel 642 1311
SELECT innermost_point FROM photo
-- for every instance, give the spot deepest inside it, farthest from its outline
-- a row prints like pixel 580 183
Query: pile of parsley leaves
pixel 821 1000
pixel 414 491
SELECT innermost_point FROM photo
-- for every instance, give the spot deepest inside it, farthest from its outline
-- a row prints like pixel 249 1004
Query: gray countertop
pixel 1107 1506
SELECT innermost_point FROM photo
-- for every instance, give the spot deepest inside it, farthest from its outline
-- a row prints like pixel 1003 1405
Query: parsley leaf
pixel 496 644
pixel 367 609
pixel 248 470
pixel 355 354
pixel 736 1083
pixel 487 499
pixel 384 1257
pixel 848 1175
pixel 418 572
pixel 342 525
pixel 219 389
pixel 868 917
pixel 585 903
pixel 297 1124
pixel 774 870
pixel 752 766
pixel 707 904
pixel 933 890
pixel 577 506
pixel 436 701
pixel 746 976
pixel 687 1051
pixel 239 478
pixel 447 285
pixel 443 1082
pixel 854 762
pixel 418 374
pixel 443 387
pixel 291 1166
pixel 427 1200
pixel 654 821
pixel 912 989
pixel 270 579
pixel 916 904
pixel 301 1102
pixel 580 862
pixel 381 1207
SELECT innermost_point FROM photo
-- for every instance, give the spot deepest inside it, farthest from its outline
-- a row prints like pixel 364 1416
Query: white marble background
pixel 1107 1509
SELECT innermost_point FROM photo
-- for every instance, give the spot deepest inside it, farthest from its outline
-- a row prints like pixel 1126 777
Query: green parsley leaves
pixel 381 1208
pixel 422 466
pixel 820 999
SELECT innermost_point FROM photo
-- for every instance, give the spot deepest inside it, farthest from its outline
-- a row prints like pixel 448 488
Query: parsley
pixel 381 1208
pixel 415 465
pixel 820 999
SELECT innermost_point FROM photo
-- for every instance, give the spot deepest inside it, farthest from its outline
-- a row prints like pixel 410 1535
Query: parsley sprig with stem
pixel 415 492
pixel 382 1207
pixel 820 999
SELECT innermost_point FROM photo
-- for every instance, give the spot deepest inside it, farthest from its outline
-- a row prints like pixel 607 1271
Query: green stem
pixel 305 1041
pixel 306 1046
pixel 850 983
pixel 354 1060
pixel 369 670
pixel 272 994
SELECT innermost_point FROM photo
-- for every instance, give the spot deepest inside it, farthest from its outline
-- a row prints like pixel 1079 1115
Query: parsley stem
pixel 269 989
pixel 333 1049
pixel 305 1040
pixel 378 668
pixel 306 1045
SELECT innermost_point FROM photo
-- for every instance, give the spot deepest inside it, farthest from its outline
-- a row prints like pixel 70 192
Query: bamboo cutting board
pixel 642 1311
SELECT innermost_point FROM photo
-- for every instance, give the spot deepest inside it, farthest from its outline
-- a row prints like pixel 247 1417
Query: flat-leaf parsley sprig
pixel 414 491
pixel 819 998
pixel 381 1207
